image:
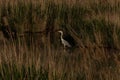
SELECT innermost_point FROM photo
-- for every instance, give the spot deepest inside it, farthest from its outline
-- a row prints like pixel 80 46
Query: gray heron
pixel 67 40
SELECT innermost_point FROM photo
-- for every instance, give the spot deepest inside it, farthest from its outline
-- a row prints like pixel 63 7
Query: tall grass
pixel 40 56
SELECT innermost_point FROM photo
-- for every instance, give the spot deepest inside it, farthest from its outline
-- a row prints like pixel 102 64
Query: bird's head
pixel 61 32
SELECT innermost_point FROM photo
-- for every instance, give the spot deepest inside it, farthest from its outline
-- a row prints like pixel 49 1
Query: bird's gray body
pixel 65 43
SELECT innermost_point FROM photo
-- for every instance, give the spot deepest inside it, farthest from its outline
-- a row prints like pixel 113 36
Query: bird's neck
pixel 61 36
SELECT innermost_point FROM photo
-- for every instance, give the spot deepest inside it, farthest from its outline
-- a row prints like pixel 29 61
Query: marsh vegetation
pixel 39 55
